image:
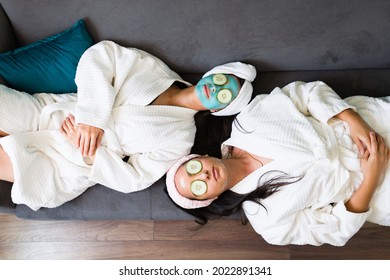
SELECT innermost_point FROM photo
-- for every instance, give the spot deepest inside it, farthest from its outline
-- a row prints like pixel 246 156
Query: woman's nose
pixel 204 175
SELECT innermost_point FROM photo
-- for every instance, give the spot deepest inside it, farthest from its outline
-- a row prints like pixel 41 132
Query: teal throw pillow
pixel 48 65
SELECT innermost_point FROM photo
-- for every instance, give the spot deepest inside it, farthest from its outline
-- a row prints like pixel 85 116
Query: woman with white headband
pixel 131 119
pixel 305 166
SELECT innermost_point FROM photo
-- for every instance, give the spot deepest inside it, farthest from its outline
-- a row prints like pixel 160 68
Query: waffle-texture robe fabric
pixel 115 87
pixel 295 126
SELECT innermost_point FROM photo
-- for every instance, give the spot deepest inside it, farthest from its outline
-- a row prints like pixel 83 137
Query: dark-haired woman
pixel 306 167
pixel 133 119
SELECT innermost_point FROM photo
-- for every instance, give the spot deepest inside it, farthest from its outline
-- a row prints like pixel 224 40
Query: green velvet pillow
pixel 48 65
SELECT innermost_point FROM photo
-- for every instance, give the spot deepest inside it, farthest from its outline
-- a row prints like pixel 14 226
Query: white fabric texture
pixel 295 127
pixel 115 86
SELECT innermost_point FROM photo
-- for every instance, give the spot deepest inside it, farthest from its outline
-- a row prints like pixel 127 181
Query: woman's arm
pixel 293 215
pixel 315 99
pixel 96 95
pixel 100 74
pixel 320 101
pixel 375 155
pixel 359 129
pixel 138 173
pixel 141 170
pixel 96 91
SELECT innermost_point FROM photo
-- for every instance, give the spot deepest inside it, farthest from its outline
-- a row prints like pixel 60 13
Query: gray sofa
pixel 344 43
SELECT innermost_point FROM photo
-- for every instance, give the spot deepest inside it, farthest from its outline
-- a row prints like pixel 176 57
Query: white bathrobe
pixel 294 126
pixel 115 87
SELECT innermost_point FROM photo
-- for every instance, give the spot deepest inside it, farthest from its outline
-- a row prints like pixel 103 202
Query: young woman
pixel 306 167
pixel 130 120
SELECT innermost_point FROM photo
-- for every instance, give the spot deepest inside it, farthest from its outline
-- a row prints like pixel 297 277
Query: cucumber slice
pixel 193 167
pixel 219 79
pixel 224 96
pixel 198 187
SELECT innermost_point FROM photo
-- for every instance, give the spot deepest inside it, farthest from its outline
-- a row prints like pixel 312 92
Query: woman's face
pixel 216 91
pixel 201 178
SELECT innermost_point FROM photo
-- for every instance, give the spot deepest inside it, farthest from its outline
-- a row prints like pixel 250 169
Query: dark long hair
pixel 211 132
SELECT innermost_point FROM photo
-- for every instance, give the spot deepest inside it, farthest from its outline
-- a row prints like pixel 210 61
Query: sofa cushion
pixel 97 203
pixel 48 65
pixel 162 206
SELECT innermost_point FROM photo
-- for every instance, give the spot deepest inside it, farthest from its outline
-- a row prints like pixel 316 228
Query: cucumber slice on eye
pixel 224 96
pixel 198 187
pixel 193 167
pixel 219 79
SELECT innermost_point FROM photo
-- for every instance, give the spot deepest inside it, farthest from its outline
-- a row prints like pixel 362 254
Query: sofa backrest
pixel 273 35
pixel 7 37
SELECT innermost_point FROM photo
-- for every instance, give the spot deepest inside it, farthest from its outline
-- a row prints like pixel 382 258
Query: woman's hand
pixel 374 163
pixel 85 137
pixel 373 166
pixel 69 130
pixel 88 138
pixel 359 129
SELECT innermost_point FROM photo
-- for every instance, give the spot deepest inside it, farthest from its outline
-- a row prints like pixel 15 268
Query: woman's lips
pixel 215 174
pixel 206 91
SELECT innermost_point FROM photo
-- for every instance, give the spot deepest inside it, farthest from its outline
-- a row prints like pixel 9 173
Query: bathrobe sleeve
pixel 173 138
pixel 138 173
pixel 100 72
pixel 305 219
pixel 316 99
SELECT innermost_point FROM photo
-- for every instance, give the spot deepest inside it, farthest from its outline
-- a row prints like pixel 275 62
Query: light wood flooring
pixel 168 240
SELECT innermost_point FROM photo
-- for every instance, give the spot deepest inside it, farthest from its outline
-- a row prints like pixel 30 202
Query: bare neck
pixel 240 165
pixel 175 96
pixel 236 169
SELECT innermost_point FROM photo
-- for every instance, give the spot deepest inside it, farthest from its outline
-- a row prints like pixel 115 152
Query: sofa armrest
pixel 6 204
pixel 7 37
pixel 7 42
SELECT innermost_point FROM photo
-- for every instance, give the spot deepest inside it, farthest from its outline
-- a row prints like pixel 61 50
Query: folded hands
pixel 84 137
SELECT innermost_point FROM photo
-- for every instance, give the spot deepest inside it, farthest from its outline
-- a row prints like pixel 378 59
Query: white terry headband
pixel 240 70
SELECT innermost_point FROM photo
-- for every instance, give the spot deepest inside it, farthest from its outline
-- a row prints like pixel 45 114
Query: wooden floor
pixel 168 240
